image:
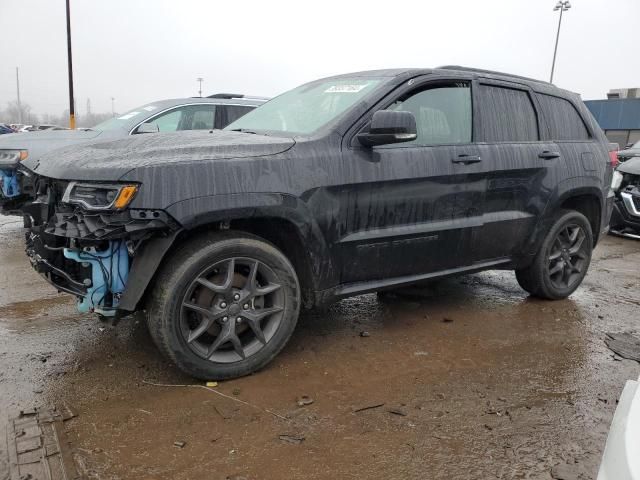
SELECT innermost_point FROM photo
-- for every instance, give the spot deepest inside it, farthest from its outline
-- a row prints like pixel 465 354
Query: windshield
pixel 125 120
pixel 307 108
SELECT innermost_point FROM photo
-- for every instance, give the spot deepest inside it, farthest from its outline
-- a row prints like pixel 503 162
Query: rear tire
pixel 562 260
pixel 224 305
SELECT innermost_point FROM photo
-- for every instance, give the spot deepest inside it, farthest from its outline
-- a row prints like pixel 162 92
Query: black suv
pixel 346 185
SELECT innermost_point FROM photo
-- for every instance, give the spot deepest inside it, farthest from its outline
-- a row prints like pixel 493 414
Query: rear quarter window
pixel 564 121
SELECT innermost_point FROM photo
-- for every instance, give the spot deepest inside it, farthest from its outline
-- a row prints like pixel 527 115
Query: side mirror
pixel 389 126
pixel 148 128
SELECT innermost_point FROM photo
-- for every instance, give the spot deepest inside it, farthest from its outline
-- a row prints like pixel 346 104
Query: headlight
pixel 11 158
pixel 616 180
pixel 99 197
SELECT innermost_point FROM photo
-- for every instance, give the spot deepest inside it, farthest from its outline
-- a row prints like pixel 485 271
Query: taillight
pixel 614 159
pixel 613 154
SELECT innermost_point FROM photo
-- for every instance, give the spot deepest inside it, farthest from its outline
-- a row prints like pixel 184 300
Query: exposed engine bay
pixel 82 240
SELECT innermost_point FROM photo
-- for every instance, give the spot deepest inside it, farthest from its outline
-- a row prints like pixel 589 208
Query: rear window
pixel 507 115
pixel 565 123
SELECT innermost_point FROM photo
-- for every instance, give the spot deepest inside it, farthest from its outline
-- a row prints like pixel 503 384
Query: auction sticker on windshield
pixel 346 88
pixel 128 116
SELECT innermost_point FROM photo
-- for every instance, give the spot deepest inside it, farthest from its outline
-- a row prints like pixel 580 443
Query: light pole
pixel 563 6
pixel 200 80
pixel 72 113
pixel 18 92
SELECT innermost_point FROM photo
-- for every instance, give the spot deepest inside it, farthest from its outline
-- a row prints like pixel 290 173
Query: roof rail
pixel 229 96
pixel 226 95
pixel 490 72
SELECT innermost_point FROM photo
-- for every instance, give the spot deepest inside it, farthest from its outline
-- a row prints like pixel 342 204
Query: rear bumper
pixel 607 214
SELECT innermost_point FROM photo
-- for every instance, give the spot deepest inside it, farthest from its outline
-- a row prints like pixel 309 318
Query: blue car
pixel 4 128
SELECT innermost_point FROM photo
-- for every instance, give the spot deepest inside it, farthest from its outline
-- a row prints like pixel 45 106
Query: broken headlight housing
pixel 93 196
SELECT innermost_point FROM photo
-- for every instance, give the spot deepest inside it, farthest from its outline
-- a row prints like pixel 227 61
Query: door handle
pixel 549 155
pixel 466 159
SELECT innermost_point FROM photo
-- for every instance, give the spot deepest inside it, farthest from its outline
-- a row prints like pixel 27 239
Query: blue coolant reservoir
pixel 109 272
pixel 9 183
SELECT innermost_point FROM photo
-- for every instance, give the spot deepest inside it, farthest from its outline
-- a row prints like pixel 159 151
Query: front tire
pixel 563 259
pixel 224 305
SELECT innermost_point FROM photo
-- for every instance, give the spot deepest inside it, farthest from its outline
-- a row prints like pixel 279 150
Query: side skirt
pixel 351 289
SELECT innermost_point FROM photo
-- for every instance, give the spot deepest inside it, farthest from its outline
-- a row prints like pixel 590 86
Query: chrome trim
pixel 621 233
pixel 148 119
pixel 627 198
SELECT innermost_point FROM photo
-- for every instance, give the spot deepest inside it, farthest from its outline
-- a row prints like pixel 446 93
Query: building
pixel 623 93
pixel 619 115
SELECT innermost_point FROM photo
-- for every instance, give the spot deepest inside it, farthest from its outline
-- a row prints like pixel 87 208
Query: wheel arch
pixel 284 222
pixel 586 200
pixel 588 204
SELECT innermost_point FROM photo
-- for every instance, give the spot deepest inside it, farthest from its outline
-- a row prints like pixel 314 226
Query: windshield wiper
pixel 252 132
pixel 244 130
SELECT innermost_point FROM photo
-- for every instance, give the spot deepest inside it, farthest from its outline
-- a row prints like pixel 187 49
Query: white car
pixel 621 458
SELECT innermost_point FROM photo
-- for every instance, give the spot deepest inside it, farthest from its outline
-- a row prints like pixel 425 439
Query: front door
pixel 419 202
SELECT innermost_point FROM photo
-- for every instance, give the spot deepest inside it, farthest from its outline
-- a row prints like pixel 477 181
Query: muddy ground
pixel 474 380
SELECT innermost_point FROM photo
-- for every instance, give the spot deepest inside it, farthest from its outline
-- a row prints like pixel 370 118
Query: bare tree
pixel 12 113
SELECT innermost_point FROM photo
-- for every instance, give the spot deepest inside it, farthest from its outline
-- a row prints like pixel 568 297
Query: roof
pixel 414 72
pixel 493 73
pixel 218 101
pixel 616 113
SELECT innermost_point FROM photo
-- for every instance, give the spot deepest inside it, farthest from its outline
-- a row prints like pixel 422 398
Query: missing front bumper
pixel 625 220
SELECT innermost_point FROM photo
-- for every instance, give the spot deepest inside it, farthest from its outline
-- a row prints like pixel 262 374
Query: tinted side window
pixel 507 115
pixel 202 119
pixel 188 117
pixel 443 114
pixel 197 117
pixel 563 119
pixel 230 113
pixel 167 122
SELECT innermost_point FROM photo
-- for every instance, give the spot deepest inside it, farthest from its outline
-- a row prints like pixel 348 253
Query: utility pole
pixel 200 80
pixel 72 112
pixel 88 107
pixel 563 6
pixel 113 112
pixel 18 92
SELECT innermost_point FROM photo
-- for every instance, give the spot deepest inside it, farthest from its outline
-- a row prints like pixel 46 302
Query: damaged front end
pixel 82 238
pixel 625 220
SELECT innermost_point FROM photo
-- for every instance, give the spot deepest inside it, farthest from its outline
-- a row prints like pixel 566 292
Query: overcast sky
pixel 143 50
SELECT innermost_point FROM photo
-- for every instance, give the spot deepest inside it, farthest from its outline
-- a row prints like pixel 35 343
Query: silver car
pixel 208 113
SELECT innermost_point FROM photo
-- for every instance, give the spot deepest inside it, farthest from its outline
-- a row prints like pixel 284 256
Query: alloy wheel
pixel 231 310
pixel 568 257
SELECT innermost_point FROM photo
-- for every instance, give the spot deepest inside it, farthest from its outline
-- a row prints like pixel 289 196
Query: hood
pixel 39 143
pixel 629 152
pixel 111 160
pixel 631 166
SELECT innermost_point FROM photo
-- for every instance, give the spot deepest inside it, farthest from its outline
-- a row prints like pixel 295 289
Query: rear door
pixel 517 163
pixel 582 154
